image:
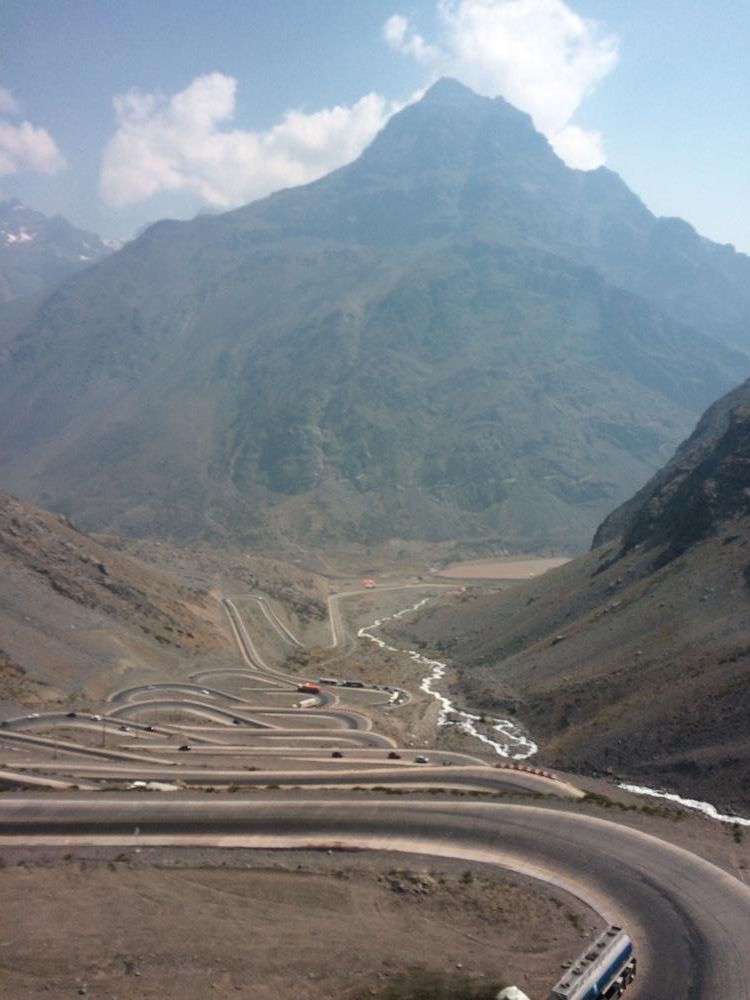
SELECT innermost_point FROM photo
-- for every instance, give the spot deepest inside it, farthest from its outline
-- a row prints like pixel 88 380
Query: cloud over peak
pixel 181 143
pixel 538 54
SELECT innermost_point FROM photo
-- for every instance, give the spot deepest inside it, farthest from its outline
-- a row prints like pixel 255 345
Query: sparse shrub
pixel 597 799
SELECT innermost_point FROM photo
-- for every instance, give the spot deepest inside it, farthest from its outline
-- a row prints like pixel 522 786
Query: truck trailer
pixel 604 970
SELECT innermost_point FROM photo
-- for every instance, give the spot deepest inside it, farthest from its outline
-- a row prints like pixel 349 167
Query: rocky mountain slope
pixel 706 484
pixel 76 615
pixel 634 660
pixel 38 252
pixel 454 337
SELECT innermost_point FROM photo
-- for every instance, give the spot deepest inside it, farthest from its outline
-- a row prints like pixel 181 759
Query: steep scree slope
pixel 76 615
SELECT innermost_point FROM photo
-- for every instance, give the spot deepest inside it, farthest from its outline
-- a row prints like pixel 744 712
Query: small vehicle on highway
pixel 421 759
pixel 33 715
pixel 337 753
pixel 124 729
pixel 184 747
pixel 236 722
pixel 70 715
pixel 394 756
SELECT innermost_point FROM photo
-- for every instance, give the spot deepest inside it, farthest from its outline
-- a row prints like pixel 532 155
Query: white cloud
pixel 22 146
pixel 395 33
pixel 538 54
pixel 181 143
pixel 579 147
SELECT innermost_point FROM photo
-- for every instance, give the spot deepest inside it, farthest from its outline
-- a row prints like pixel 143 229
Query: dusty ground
pixel 501 568
pixel 194 924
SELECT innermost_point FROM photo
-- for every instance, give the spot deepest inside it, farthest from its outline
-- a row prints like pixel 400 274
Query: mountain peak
pixel 454 129
pixel 450 93
pixel 37 251
pixel 447 90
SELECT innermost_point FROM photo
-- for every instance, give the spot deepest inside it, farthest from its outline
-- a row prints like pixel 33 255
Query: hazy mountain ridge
pixel 460 163
pixel 38 252
pixel 417 345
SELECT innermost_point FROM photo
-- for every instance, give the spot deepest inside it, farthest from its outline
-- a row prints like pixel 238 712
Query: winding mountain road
pixel 690 920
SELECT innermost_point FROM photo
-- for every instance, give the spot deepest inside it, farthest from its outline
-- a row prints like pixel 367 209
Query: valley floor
pixel 147 921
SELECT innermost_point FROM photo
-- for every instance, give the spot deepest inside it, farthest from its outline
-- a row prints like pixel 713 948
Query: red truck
pixel 308 688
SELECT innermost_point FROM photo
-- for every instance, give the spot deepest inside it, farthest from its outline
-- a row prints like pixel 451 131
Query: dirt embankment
pixel 246 923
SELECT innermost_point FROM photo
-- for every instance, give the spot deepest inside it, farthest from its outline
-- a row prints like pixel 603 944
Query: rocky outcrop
pixel 706 484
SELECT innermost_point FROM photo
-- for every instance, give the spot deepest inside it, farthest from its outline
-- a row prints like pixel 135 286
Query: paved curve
pixel 465 779
pixel 690 920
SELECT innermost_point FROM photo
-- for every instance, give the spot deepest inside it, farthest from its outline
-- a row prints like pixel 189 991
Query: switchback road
pixel 690 920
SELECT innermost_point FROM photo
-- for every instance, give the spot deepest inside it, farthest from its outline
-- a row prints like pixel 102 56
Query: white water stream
pixel 704 807
pixel 513 745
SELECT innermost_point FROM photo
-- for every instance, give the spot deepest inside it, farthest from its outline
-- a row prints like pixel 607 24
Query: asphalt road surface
pixel 690 921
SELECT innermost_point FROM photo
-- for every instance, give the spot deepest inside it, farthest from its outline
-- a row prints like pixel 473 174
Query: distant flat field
pixel 501 568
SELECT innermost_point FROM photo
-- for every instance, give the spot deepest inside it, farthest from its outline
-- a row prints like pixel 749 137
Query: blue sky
pixel 118 112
